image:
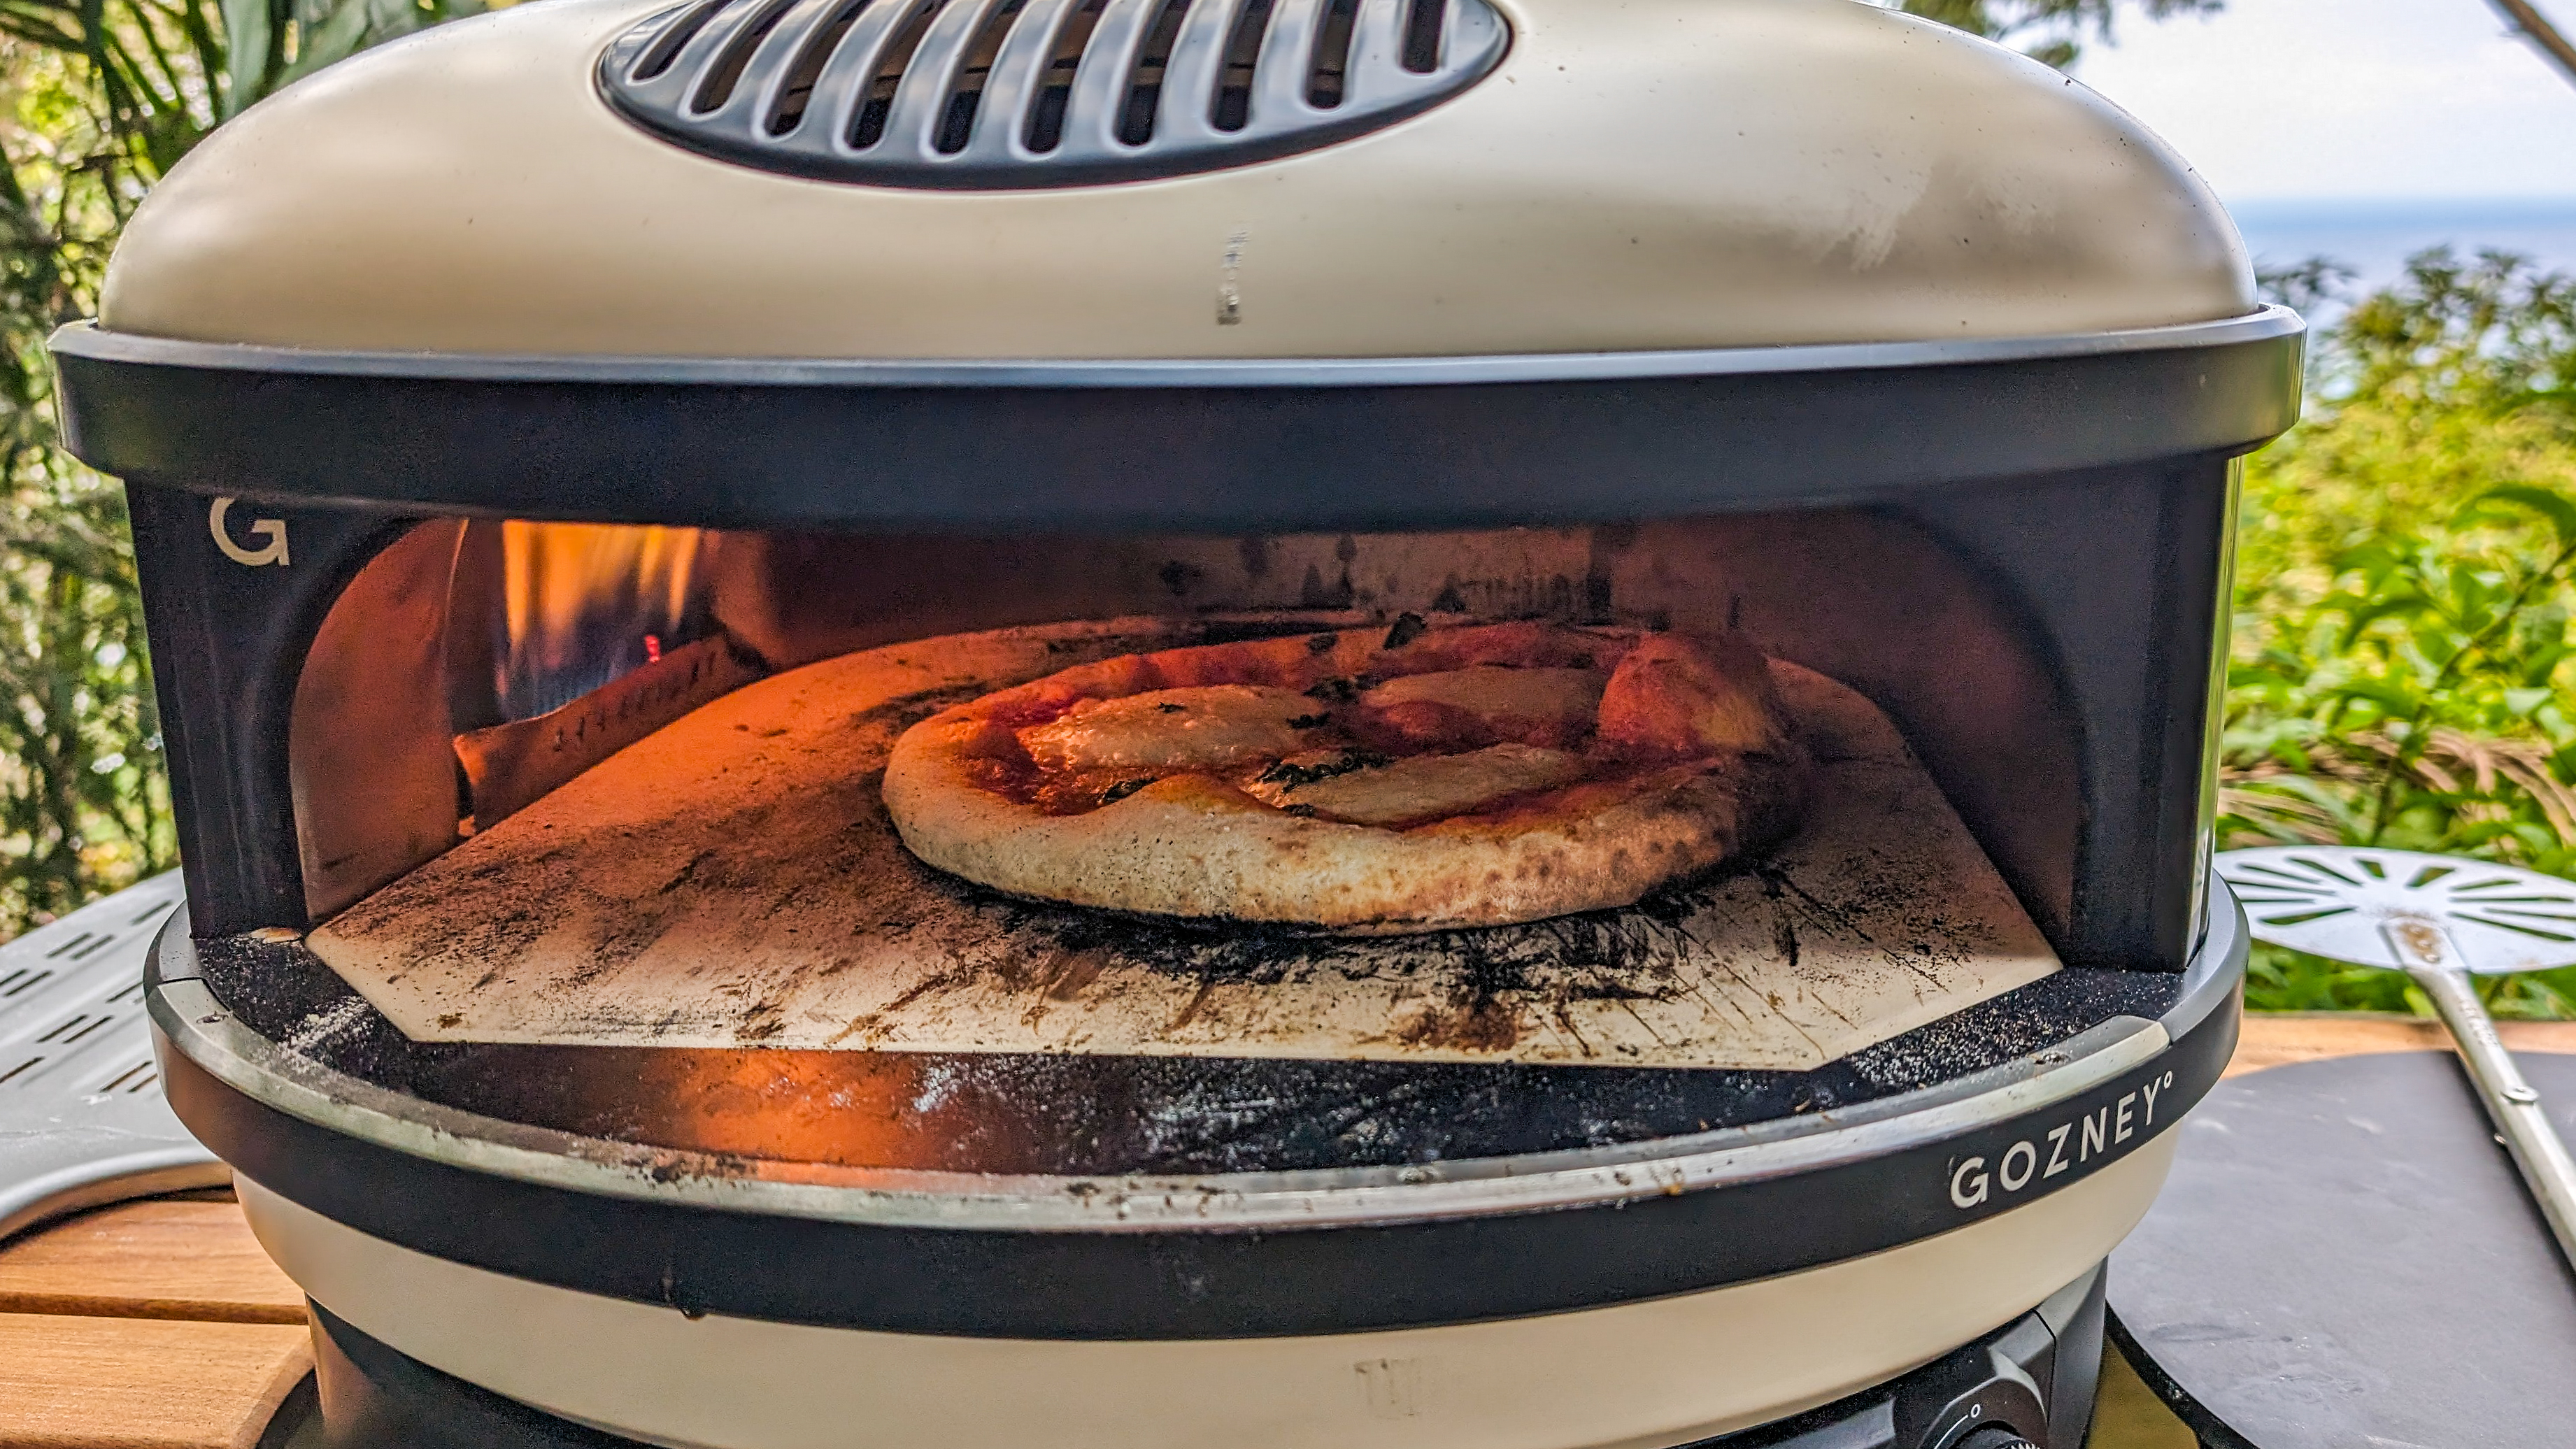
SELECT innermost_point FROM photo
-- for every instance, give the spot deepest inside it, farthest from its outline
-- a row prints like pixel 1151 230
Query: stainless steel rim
pixel 89 340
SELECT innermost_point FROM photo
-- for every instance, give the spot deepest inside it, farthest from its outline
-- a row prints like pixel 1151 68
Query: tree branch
pixel 2537 28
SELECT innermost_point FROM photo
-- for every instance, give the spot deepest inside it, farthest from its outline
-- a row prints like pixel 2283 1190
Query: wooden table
pixel 145 1325
pixel 161 1324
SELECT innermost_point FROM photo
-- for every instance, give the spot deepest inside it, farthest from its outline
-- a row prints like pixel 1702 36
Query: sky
pixel 2277 100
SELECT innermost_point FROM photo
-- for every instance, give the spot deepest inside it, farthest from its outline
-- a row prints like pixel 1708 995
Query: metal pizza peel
pixel 2440 919
pixel 82 1121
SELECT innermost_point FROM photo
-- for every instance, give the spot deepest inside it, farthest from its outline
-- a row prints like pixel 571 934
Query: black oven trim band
pixel 1336 444
pixel 1196 1260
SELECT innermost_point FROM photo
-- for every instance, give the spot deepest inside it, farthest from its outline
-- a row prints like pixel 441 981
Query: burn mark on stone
pixel 760 1023
pixel 1408 627
pixel 1450 601
pixel 1189 1011
pixel 1784 936
pixel 687 873
pixel 866 1026
pixel 1482 1025
pixel 1604 988
pixel 1071 972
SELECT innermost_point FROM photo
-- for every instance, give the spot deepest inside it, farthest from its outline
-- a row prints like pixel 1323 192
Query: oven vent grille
pixel 1006 94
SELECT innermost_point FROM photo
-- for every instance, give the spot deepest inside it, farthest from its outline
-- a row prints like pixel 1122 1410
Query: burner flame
pixel 584 603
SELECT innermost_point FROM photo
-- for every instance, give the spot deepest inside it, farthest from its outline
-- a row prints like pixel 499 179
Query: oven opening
pixel 618 792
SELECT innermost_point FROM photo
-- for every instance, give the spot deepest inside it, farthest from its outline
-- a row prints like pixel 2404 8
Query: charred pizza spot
pixel 1322 643
pixel 1302 812
pixel 1408 627
pixel 1337 690
pixel 1172 708
pixel 1310 721
pixel 1124 788
pixel 1290 774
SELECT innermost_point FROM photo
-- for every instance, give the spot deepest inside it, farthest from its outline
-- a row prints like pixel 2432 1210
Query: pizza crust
pixel 1507 839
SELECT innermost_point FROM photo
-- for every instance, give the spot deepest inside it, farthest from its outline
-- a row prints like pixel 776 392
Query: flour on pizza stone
pixel 1366 781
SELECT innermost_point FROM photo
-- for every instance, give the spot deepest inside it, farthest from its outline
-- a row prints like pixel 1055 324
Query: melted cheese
pixel 1491 692
pixel 1679 697
pixel 1431 787
pixel 1165 730
pixel 1483 705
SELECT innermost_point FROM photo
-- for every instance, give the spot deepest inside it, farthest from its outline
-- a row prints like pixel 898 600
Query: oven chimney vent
pixel 1013 94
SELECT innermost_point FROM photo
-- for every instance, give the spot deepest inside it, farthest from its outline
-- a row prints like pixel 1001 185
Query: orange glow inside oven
pixel 583 603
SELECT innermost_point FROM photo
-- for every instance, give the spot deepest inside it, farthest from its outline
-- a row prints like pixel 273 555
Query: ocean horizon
pixel 2374 236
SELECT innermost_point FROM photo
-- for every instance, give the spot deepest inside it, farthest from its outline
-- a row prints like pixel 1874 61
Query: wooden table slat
pixel 2273 1039
pixel 153 1259
pixel 135 1383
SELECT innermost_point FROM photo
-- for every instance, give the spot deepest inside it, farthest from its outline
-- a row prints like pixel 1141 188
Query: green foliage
pixel 2046 30
pixel 2405 577
pixel 95 107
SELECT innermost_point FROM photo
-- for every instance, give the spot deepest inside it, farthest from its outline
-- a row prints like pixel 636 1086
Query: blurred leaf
pixel 251 36
pixel 2556 507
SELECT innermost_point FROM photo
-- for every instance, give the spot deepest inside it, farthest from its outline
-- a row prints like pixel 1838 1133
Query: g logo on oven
pixel 2103 1132
pixel 272 529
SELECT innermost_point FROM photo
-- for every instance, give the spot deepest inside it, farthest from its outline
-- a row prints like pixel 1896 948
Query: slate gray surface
pixel 2345 1257
pixel 82 1120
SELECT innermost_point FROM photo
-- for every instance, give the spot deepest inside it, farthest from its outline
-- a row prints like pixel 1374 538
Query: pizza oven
pixel 567 448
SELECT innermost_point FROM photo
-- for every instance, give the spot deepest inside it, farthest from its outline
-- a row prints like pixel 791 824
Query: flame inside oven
pixel 583 604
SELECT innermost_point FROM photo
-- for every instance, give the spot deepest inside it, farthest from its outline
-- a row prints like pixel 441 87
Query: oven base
pixel 374 1396
pixel 1635 1376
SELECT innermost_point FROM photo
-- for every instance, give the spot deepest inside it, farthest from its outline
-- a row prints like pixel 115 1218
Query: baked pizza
pixel 1363 781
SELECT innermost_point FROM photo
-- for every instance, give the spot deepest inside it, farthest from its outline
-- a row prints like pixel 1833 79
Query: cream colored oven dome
pixel 1659 174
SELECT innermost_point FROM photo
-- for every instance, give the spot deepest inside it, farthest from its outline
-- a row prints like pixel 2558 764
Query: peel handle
pixel 2510 1101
